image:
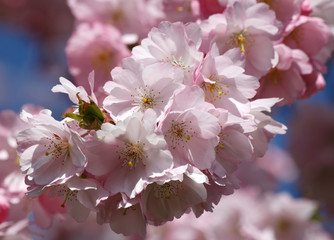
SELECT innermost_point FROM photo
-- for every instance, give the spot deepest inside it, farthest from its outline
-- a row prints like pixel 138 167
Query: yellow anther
pixel 241 41
pixel 48 153
pixel 220 145
pixel 220 93
pixel 130 164
pixel 144 100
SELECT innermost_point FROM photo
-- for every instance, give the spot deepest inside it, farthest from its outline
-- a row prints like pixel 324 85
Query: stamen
pixel 242 39
pixel 221 145
pixel 167 190
pixel 58 148
pixel 214 90
pixel 132 154
pixel 66 197
pixel 177 62
pixel 54 150
pixel 145 98
pixel 180 133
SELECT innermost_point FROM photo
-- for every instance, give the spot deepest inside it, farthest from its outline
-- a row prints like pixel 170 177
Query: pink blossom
pixel 250 28
pixel 288 218
pixel 95 47
pixel 223 80
pixel 287 79
pixel 276 166
pixel 324 9
pixel 132 153
pixel 315 81
pixel 312 149
pixel 50 152
pixel 285 10
pixel 231 135
pixel 267 127
pixel 128 220
pixel 69 88
pixel 137 88
pixel 299 32
pixel 79 196
pixel 120 15
pixel 170 198
pixel 190 131
pixel 181 10
pixel 174 44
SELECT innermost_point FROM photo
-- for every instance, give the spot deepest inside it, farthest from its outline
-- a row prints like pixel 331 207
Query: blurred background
pixel 33 36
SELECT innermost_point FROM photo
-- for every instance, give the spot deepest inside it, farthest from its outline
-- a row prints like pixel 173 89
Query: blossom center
pixel 57 147
pixel 67 194
pixel 215 90
pixel 102 60
pixel 145 98
pixel 180 133
pixel 222 139
pixel 132 154
pixel 177 62
pixel 167 190
pixel 116 16
pixel 242 39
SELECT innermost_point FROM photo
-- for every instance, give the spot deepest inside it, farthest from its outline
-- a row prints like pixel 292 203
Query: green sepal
pixel 90 115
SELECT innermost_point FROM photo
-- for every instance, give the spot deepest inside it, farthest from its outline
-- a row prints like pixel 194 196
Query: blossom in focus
pixel 190 132
pixel 174 44
pixel 132 154
pixel 50 152
pixel 237 28
pixel 136 88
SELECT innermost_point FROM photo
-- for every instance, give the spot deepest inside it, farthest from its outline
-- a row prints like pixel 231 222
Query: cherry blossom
pixel 174 44
pixel 191 132
pixel 137 88
pixel 133 153
pixel 50 152
pixel 95 47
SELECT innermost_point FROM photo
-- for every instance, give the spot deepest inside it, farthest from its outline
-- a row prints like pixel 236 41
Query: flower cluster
pixel 163 134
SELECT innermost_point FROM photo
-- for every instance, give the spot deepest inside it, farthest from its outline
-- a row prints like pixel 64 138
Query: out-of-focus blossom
pixel 311 145
pixel 247 214
pixel 286 79
pixel 95 46
pixel 119 14
pixel 275 167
